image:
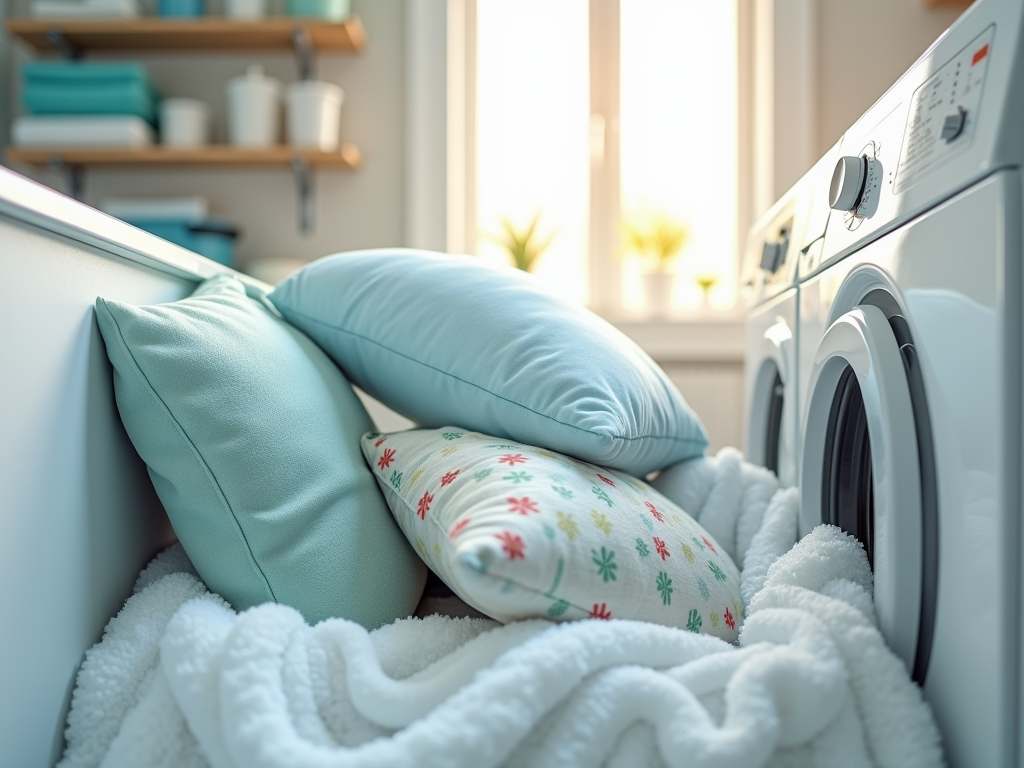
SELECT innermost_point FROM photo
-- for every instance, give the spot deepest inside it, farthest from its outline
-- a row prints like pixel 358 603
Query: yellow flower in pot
pixel 659 240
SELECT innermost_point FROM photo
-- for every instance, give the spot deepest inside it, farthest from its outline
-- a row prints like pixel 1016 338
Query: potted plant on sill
pixel 524 245
pixel 705 281
pixel 660 241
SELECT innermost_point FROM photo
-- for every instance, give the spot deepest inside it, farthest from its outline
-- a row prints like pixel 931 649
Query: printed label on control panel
pixel 944 111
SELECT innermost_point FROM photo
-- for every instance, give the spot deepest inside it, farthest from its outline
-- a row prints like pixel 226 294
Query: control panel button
pixel 773 253
pixel 953 125
pixel 847 183
pixel 770 256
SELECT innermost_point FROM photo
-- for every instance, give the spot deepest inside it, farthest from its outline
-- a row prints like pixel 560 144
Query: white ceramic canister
pixel 253 101
pixel 314 114
pixel 184 122
pixel 245 9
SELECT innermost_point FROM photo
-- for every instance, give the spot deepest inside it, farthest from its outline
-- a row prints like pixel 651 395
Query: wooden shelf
pixel 305 37
pixel 71 162
pixel 349 156
pixel 203 34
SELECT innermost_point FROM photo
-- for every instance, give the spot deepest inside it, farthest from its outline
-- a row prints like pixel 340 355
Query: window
pixel 594 113
pixel 532 127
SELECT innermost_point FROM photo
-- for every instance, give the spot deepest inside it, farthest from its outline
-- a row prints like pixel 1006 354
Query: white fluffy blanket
pixel 180 679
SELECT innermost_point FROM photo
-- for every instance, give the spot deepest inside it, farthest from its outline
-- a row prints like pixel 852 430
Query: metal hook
pixel 60 41
pixel 303 44
pixel 74 178
pixel 304 181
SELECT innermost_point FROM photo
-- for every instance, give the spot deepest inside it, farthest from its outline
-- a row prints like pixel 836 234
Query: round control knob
pixel 847 183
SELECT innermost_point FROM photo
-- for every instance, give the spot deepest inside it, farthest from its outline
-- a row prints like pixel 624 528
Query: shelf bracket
pixel 304 181
pixel 73 175
pixel 60 41
pixel 303 44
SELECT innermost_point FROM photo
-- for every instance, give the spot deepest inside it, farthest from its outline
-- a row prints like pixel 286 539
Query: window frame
pixel 604 271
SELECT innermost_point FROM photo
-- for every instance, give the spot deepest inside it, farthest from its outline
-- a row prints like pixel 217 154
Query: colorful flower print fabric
pixel 521 532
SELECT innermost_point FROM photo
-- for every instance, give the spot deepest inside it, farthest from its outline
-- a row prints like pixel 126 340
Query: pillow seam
pixel 197 454
pixel 687 440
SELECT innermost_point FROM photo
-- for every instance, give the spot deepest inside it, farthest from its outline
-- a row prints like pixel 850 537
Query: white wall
pixel 366 208
pixel 426 140
pixel 715 392
pixel 5 81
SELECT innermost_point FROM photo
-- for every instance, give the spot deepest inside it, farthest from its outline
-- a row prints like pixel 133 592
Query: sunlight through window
pixel 678 139
pixel 532 133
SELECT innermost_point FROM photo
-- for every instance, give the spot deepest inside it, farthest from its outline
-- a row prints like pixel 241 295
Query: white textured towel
pixel 180 679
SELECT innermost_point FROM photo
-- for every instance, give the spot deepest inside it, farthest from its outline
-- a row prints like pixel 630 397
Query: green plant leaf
pixel 523 245
pixel 660 239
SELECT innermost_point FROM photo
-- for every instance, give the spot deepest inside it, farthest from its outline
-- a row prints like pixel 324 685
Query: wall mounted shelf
pixel 203 34
pixel 304 36
pixel 348 156
pixel 71 161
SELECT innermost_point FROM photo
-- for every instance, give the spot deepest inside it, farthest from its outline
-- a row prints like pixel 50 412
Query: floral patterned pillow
pixel 521 532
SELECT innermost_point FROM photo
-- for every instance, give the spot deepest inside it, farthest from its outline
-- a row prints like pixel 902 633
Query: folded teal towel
pixel 107 99
pixel 79 73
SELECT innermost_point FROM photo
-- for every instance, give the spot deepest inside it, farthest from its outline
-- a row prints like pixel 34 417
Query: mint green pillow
pixel 251 435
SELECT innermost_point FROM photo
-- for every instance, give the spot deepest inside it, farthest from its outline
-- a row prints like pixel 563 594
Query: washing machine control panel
pixel 922 139
pixel 944 110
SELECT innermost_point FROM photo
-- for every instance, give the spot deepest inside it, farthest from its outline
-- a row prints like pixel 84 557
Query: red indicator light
pixel 980 54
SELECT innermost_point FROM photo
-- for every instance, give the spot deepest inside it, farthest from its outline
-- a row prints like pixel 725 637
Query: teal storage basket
pixel 212 238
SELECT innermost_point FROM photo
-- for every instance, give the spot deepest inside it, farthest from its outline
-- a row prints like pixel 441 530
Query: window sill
pixel 709 337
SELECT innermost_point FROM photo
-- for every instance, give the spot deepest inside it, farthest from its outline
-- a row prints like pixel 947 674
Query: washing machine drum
pixel 868 466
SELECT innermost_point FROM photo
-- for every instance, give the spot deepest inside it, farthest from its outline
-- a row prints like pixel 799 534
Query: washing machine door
pixel 769 435
pixel 860 468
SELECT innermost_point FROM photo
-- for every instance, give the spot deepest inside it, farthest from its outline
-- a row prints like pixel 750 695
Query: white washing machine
pixel 770 294
pixel 910 354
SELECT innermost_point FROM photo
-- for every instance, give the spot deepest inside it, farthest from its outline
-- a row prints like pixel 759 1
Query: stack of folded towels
pixel 74 104
pixel 84 9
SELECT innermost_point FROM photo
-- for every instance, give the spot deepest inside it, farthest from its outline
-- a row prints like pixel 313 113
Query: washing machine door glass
pixel 861 468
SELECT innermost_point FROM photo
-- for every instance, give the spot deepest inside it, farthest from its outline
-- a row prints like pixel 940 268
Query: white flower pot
pixel 658 290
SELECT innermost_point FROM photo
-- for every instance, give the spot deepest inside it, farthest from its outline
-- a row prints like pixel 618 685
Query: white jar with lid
pixel 245 10
pixel 184 122
pixel 253 108
pixel 313 114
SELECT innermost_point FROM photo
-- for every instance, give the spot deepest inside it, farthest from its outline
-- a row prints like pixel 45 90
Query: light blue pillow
pixel 450 340
pixel 251 435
